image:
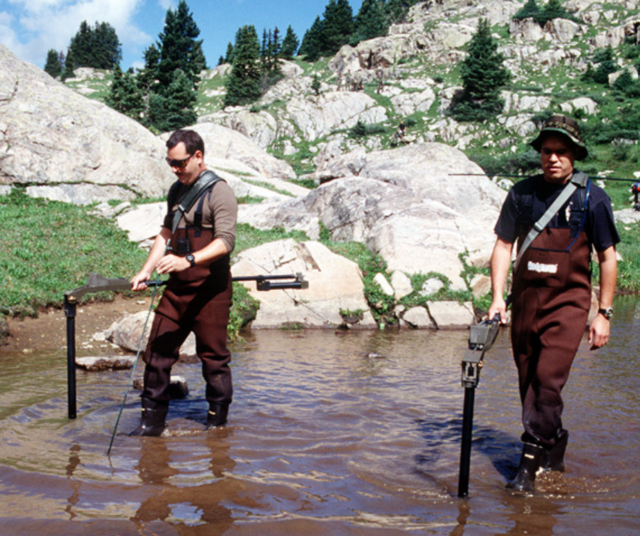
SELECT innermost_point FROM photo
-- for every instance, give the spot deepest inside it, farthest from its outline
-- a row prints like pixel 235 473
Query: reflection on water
pixel 330 433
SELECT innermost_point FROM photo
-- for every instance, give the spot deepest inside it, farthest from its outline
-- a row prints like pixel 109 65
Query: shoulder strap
pixel 579 180
pixel 208 179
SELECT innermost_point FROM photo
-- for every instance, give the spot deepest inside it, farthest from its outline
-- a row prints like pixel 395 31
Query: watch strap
pixel 607 313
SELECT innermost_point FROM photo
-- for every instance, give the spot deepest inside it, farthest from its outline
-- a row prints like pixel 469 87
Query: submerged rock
pixel 127 331
pixel 99 364
pixel 178 387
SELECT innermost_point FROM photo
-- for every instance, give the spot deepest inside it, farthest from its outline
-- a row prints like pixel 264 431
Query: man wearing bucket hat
pixel 556 218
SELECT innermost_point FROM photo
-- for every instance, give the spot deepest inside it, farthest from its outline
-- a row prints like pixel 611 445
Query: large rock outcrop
pixel 335 288
pixel 409 205
pixel 67 147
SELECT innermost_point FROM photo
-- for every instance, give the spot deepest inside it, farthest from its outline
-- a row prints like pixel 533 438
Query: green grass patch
pixel 248 237
pixel 48 247
pixel 248 200
pixel 629 268
pixel 381 305
pixel 269 186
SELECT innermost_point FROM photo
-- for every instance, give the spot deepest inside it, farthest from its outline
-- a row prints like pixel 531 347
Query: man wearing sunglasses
pixel 198 294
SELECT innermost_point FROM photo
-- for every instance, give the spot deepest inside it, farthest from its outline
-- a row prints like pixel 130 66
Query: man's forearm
pixel 158 250
pixel 608 276
pixel 211 252
pixel 500 262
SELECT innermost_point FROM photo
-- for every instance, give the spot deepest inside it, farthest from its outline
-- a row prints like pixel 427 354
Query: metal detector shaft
pixel 95 283
pixel 467 433
pixel 263 282
pixel 481 338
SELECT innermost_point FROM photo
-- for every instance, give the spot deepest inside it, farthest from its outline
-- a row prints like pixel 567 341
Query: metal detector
pixel 481 338
pixel 99 283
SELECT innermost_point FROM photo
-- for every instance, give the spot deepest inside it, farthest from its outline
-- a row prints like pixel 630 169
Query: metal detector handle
pixel 263 282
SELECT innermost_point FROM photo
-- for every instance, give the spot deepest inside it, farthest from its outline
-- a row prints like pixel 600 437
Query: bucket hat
pixel 568 127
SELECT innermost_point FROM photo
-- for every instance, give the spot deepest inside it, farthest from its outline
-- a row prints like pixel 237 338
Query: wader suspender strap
pixel 208 179
pixel 579 179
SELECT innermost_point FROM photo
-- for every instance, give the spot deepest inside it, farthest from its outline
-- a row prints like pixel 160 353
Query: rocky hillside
pixel 421 202
pixel 418 65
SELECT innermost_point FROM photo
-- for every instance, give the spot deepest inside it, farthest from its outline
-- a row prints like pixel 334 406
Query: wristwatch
pixel 607 313
pixel 191 259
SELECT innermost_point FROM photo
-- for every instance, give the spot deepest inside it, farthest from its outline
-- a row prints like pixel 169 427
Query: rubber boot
pixel 553 459
pixel 530 461
pixel 217 415
pixel 152 418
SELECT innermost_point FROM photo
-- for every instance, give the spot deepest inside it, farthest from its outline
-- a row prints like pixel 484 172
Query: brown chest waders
pixel 197 299
pixel 550 304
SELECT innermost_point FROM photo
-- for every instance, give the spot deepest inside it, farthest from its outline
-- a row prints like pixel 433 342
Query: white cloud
pixel 47 24
pixel 167 4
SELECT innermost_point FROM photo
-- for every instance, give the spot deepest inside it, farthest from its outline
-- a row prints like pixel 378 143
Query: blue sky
pixel 29 28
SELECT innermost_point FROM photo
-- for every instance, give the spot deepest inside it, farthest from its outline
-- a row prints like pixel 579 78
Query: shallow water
pixel 323 439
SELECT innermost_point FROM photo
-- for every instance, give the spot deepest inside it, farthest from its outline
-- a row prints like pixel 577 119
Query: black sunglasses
pixel 180 164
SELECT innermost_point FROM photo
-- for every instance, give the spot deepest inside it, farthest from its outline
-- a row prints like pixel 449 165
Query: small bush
pixel 361 129
pixel 553 9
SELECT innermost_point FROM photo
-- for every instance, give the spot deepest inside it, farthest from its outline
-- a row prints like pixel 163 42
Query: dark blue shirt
pixel 528 199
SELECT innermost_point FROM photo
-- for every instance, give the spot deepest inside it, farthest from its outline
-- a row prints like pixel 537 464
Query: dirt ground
pixel 48 332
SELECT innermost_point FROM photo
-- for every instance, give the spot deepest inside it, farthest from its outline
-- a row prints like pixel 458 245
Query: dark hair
pixel 191 139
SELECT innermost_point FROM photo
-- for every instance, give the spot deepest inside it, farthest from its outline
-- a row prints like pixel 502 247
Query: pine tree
pixel 311 48
pixel 530 9
pixel 243 84
pixel 483 76
pixel 371 21
pixel 81 46
pixel 107 49
pixel 53 66
pixel 270 69
pixel 97 47
pixel 175 107
pixel 624 82
pixel 290 44
pixel 553 9
pixel 275 51
pixel 228 58
pixel 397 9
pixel 179 49
pixel 337 27
pixel 147 76
pixel 315 84
pixel 604 58
pixel 124 94
pixel 69 66
pixel 265 50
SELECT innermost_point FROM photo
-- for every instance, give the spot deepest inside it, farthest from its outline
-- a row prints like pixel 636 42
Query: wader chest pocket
pixel 544 268
pixel 183 245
